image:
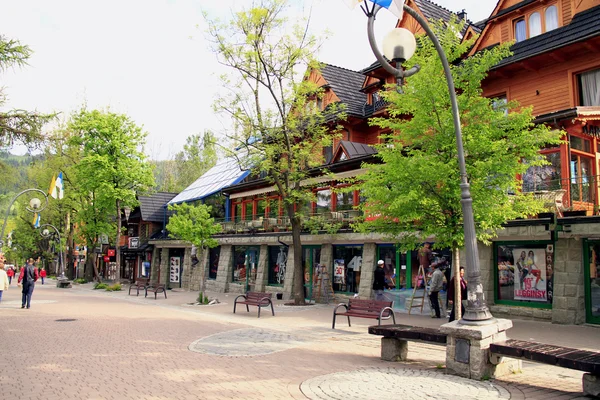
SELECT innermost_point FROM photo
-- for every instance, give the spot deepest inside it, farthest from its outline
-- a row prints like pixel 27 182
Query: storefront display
pixel 277 264
pixel 524 272
pixel 175 270
pixel 347 266
pixel 213 262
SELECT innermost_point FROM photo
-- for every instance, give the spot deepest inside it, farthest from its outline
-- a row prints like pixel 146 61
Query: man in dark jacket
pixel 379 281
pixel 28 276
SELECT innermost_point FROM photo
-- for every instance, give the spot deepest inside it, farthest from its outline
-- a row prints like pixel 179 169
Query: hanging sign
pixel 106 258
pixel 110 252
pixel 174 269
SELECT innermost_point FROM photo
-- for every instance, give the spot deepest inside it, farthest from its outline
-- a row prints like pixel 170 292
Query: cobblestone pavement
pixel 82 344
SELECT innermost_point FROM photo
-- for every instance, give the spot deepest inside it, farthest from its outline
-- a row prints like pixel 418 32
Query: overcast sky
pixel 149 59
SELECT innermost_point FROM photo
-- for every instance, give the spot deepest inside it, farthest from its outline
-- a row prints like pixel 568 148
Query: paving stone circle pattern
pixel 246 342
pixel 385 383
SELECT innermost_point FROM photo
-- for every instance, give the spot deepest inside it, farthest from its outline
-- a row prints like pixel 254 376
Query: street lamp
pixel 35 206
pixel 46 234
pixel 399 46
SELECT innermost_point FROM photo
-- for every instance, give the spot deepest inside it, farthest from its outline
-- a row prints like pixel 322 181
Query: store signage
pixel 338 271
pixel 134 242
pixel 110 252
pixel 174 269
pixel 106 258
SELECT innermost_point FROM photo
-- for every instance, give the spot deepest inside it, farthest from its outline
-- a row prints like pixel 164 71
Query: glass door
pixel 311 257
pixel 592 281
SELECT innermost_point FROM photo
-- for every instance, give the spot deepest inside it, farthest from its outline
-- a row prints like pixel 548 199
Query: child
pixel 43 275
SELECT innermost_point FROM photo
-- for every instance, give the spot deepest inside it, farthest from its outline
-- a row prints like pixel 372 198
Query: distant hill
pixel 13 170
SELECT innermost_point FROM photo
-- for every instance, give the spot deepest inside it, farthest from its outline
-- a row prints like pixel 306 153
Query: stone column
pixel 164 266
pixel 224 270
pixel 186 276
pixel 288 285
pixel 468 350
pixel 367 270
pixel 327 258
pixel 262 271
pixel 568 302
pixel 155 264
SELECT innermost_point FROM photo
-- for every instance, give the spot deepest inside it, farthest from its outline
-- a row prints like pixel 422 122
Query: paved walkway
pixel 84 344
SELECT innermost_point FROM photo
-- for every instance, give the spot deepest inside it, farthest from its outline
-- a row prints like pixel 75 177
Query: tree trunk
pixel 298 290
pixel 71 261
pixel 457 295
pixel 118 240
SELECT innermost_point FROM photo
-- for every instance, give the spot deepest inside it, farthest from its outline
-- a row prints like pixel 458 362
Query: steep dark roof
pixel 512 8
pixel 433 12
pixel 346 84
pixel 583 26
pixel 152 207
pixel 355 150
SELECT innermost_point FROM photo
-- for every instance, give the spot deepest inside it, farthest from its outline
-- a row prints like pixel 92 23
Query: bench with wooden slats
pixel 412 333
pixel 359 308
pixel 257 299
pixel 566 357
pixel 156 289
pixel 140 284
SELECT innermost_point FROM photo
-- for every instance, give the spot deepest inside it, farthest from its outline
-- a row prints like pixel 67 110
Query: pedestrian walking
pixel 10 273
pixel 379 281
pixel 437 283
pixel 42 274
pixel 4 283
pixel 28 277
pixel 451 293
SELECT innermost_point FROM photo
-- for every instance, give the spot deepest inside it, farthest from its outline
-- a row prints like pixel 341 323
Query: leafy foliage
pixel 194 224
pixel 418 182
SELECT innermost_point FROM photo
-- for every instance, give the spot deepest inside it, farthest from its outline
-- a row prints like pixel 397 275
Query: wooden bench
pixel 156 289
pixel 365 309
pixel 566 357
pixel 394 343
pixel 140 283
pixel 257 299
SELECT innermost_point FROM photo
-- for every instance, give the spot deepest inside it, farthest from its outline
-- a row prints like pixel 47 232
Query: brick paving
pixel 82 344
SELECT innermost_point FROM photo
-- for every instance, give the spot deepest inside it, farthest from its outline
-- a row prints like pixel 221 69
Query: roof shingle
pixel 152 207
pixel 346 84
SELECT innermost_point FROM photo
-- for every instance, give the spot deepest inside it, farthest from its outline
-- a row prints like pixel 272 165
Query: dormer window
pixel 535 23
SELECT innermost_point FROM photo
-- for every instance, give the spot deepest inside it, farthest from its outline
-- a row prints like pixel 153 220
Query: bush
pixel 100 285
pixel 114 288
pixel 81 281
pixel 202 299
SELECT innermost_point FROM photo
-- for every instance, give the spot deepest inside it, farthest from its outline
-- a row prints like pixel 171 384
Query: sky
pixel 149 59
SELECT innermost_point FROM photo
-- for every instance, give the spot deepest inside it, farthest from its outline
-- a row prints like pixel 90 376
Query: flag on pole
pixel 56 187
pixel 52 190
pixel 36 220
pixel 394 6
pixel 59 186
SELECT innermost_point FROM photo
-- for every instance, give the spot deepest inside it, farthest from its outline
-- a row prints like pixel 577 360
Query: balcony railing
pixel 310 222
pixel 575 194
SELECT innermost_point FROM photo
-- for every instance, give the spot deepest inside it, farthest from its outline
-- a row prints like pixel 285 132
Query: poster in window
pixel 174 269
pixel 525 272
pixel 339 271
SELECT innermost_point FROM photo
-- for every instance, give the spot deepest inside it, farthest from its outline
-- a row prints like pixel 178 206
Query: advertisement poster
pixel 338 271
pixel 525 272
pixel 174 269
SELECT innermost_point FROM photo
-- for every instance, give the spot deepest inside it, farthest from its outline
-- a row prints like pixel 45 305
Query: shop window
pixel 544 177
pixel 239 264
pixel 589 88
pixel 323 201
pixel 581 178
pixel 347 264
pixel 520 30
pixel 535 24
pixel 277 264
pixel 213 260
pixel 551 17
pixel 524 273
pixel 393 280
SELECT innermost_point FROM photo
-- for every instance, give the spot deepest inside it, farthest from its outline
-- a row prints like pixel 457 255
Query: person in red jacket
pixel 28 276
pixel 10 273
pixel 42 274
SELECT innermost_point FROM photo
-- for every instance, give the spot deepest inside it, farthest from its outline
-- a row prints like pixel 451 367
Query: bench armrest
pixel 340 305
pixel 241 295
pixel 268 300
pixel 383 310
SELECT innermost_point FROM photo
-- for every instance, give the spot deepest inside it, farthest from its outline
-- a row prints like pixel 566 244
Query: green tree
pixel 112 170
pixel 198 156
pixel 415 191
pixel 194 224
pixel 277 124
pixel 18 125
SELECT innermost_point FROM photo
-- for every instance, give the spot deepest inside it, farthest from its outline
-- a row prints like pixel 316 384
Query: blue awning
pixel 225 173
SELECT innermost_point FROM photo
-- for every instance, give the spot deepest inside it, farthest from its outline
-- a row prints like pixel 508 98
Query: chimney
pixel 462 15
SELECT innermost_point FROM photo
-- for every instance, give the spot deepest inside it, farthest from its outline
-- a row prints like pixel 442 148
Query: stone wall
pixel 569 297
pixel 367 271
